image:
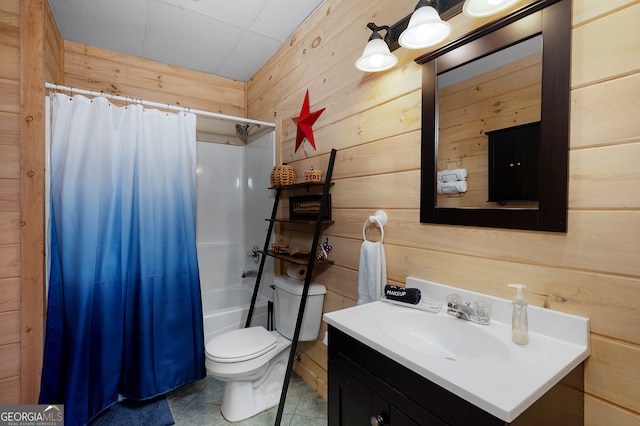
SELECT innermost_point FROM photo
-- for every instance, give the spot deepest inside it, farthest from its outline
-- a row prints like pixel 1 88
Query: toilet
pixel 253 361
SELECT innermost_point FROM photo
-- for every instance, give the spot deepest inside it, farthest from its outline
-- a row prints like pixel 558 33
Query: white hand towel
pixel 452 175
pixel 452 187
pixel 372 272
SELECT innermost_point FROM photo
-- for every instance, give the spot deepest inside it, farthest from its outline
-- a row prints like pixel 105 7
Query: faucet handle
pixel 254 253
pixel 453 303
pixel 482 310
pixel 454 298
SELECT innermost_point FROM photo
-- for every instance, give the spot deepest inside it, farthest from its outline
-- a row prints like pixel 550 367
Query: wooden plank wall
pixel 53 49
pixel 91 68
pixel 32 200
pixel 374 122
pixel 25 27
pixel 9 202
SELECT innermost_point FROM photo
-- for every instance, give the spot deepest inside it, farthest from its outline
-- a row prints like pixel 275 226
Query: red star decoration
pixel 305 122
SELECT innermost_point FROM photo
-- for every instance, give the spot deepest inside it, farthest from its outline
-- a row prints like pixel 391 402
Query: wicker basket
pixel 313 175
pixel 283 175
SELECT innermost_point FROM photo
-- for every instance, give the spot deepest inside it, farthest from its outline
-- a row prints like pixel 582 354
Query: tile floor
pixel 198 403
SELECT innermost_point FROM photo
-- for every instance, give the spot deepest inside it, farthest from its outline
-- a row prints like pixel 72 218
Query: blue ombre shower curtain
pixel 124 314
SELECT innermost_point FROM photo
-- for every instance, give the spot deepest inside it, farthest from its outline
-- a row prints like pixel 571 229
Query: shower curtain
pixel 124 314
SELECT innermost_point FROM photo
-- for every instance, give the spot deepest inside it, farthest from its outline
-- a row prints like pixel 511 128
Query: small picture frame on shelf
pixel 308 206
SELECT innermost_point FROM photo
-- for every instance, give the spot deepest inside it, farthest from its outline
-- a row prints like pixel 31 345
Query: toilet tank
pixel 287 295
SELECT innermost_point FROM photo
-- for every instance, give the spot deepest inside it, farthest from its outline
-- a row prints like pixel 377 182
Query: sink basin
pixel 450 338
pixel 479 363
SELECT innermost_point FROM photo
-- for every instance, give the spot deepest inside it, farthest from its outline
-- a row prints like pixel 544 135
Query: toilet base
pixel 244 399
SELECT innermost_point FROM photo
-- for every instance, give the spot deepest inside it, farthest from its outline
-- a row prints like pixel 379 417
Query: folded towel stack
pixel 448 188
pixel 452 181
pixel 454 175
pixel 402 294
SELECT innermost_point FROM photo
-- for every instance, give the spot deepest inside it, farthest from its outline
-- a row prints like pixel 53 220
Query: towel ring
pixel 379 218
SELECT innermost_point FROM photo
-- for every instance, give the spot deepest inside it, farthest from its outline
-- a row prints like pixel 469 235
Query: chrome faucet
pixel 480 315
pixel 254 254
pixel 251 273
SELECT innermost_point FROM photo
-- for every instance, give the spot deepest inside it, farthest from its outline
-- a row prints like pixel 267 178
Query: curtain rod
pixel 156 104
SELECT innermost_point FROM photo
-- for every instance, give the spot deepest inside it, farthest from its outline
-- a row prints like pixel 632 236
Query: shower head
pixel 243 131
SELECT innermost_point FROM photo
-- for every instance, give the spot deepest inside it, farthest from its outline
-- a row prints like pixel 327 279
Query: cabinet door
pixel 513 163
pixel 398 418
pixel 351 402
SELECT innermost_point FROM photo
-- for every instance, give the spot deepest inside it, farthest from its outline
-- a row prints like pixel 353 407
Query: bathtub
pixel 227 309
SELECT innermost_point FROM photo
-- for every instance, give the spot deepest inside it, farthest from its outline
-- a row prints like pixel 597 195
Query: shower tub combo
pixel 226 295
pixel 227 308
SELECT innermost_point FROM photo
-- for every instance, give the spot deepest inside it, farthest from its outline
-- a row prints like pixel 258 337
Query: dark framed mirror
pixel 546 23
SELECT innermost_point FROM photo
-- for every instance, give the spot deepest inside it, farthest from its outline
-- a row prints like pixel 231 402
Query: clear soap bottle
pixel 519 320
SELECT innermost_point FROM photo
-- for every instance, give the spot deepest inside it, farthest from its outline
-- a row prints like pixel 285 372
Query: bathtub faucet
pixel 254 253
pixel 251 273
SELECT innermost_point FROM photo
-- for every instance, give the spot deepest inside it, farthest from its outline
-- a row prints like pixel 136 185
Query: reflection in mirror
pixel 493 93
pixel 464 120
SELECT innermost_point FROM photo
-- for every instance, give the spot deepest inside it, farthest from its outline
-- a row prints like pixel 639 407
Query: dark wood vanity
pixel 367 387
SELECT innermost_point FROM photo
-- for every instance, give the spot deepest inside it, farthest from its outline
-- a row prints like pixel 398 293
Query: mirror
pixel 521 88
pixel 484 110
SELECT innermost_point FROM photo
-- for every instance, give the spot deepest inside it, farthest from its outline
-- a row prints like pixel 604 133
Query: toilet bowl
pixel 253 361
pixel 250 378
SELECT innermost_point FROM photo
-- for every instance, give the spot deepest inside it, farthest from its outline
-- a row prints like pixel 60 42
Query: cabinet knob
pixel 377 420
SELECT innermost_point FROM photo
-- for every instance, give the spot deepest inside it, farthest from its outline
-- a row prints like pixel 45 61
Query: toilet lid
pixel 241 345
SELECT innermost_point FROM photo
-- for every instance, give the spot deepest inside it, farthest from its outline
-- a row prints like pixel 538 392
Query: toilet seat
pixel 241 345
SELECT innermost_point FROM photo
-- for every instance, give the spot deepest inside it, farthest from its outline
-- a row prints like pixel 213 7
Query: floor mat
pixel 128 412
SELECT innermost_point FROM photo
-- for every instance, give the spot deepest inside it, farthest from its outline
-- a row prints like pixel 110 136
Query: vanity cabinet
pixel 352 402
pixel 364 383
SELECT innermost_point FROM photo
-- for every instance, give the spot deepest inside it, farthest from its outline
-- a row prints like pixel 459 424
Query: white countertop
pixel 558 343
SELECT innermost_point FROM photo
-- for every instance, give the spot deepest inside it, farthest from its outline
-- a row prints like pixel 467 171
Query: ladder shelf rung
pixel 301 221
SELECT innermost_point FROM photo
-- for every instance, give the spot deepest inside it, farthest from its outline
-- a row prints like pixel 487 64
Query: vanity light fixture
pixel 482 8
pixel 376 56
pixel 425 28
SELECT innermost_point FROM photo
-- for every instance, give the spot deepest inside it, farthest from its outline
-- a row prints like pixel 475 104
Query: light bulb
pixel 429 34
pixel 376 57
pixel 425 29
pixel 482 8
pixel 376 60
pixel 422 32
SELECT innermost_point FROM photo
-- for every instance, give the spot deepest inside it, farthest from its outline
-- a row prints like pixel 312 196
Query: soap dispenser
pixel 519 321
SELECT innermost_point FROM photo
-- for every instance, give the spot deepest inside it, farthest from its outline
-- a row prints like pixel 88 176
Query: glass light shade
pixel 376 57
pixel 425 29
pixel 481 8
